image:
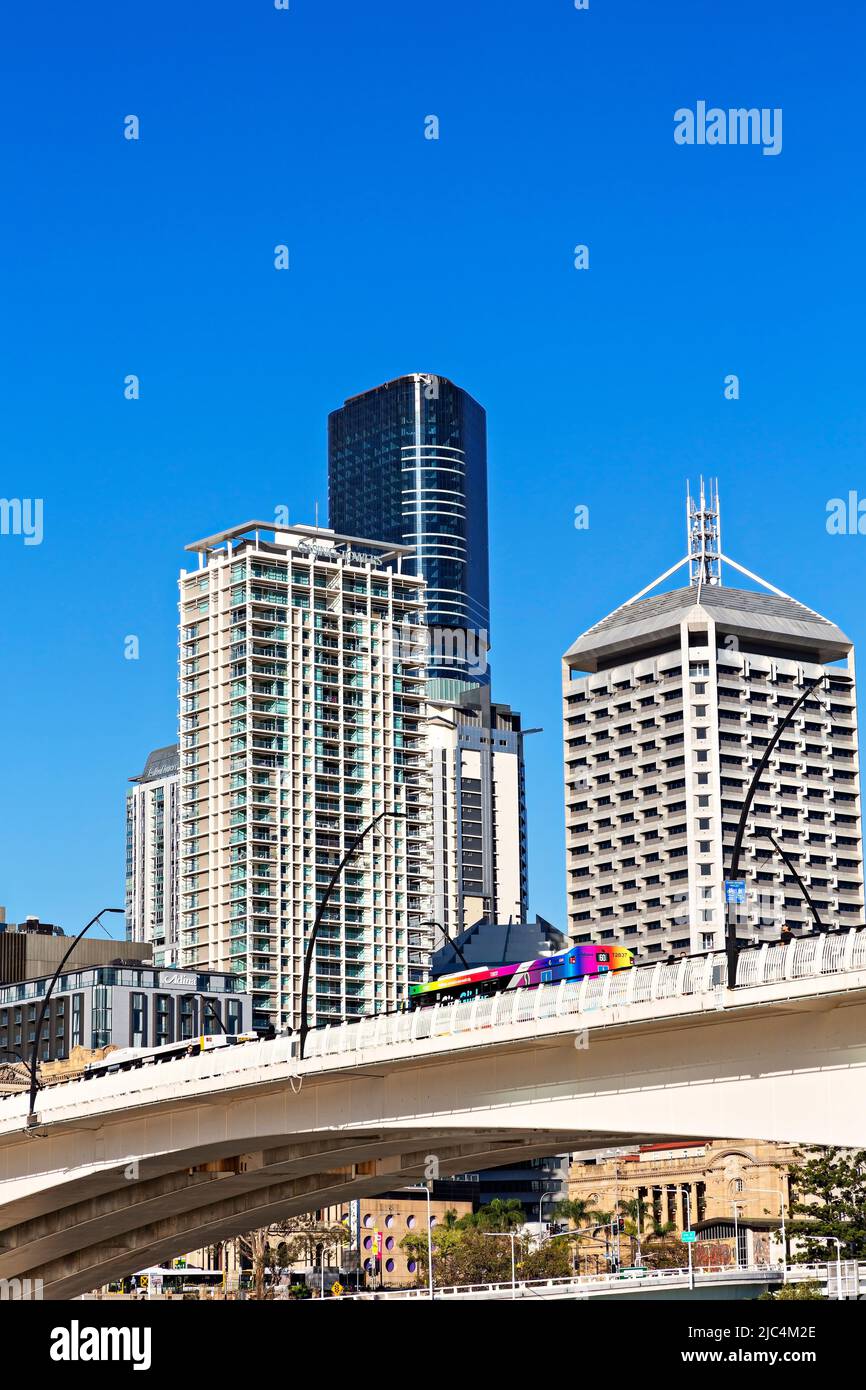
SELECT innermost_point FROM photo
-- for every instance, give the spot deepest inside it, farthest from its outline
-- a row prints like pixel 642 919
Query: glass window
pixel 234 1016
pixel 210 1017
pixel 77 1032
pixel 186 1015
pixel 137 1020
pixel 163 1020
pixel 101 1016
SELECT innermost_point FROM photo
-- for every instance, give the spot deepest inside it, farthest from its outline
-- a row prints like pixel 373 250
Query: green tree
pixel 578 1210
pixel 795 1293
pixel 549 1260
pixel 830 1200
pixel 662 1247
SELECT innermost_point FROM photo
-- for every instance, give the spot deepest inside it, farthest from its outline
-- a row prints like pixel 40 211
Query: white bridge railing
pixel 650 1278
pixel 643 985
pixel 825 953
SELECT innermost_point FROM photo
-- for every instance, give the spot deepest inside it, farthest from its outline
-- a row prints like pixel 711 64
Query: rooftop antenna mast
pixel 704 536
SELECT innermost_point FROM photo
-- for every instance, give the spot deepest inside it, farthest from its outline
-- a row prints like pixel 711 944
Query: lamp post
pixel 512 1237
pixel 19 1057
pixel 208 1009
pixel 771 1192
pixel 543 1198
pixel 308 955
pixel 685 1192
pixel 688 1196
pixel 827 1240
pixel 792 869
pixel 736 1206
pixel 32 1118
pixel 426 1191
pixel 731 948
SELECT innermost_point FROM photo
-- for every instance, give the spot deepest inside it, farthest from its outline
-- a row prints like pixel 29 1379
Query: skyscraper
pixel 479 812
pixel 152 827
pixel 302 699
pixel 407 463
pixel 669 704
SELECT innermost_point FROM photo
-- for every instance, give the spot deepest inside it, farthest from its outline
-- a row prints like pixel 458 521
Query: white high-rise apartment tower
pixel 669 704
pixel 479 812
pixel 152 827
pixel 301 708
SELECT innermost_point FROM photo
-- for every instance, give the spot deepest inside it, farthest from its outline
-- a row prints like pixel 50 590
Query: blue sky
pixel 603 387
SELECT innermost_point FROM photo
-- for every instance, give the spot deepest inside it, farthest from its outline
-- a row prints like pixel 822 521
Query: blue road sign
pixel 735 890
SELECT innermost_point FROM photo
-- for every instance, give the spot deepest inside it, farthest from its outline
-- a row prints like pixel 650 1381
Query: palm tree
pixel 634 1210
pixel 579 1211
pixel 494 1216
pixel 576 1209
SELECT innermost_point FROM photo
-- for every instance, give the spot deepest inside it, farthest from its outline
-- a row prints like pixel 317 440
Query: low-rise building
pixel 124 1005
pixel 31 948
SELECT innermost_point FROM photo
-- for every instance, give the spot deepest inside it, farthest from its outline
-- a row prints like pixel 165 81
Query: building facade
pixel 301 720
pixel 537 1184
pixel 121 1006
pixel 152 837
pixel 407 463
pixel 480 862
pixel 379 1225
pixel 693 1184
pixel 669 705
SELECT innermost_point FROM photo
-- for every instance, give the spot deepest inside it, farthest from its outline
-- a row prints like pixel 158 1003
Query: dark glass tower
pixel 407 462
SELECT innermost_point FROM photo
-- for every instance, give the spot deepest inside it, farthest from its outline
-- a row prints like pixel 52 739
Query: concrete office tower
pixel 669 704
pixel 301 718
pixel 479 812
pixel 152 828
pixel 407 463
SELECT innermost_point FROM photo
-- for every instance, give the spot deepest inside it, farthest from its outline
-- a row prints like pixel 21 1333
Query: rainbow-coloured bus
pixel 483 980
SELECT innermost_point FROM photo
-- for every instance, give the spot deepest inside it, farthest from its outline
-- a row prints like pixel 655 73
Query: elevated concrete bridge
pixel 130 1169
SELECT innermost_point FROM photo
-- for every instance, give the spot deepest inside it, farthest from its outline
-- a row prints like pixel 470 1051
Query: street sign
pixel 688 1236
pixel 735 891
pixel 336 1288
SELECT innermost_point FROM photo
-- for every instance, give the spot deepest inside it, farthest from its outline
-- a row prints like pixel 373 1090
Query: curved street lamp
pixel 13 1052
pixel 308 955
pixel 731 947
pixel 789 864
pixel 32 1118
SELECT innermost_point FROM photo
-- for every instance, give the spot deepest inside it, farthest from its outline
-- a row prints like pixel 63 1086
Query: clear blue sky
pixel 453 256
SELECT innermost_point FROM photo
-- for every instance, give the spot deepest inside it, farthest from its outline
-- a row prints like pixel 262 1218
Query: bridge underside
pixel 125 1218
